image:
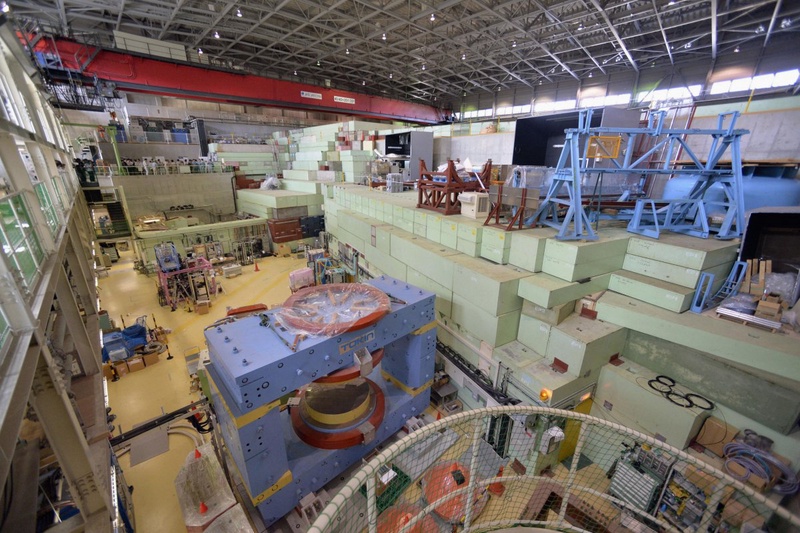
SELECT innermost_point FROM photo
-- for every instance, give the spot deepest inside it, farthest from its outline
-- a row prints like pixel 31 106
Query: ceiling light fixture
pixel 463 57
pixel 433 17
pixel 785 23
pixel 591 74
pixel 238 12
pixel 687 45
pixel 736 50
pixel 760 28
pixel 383 37
pixel 580 26
pixel 391 75
pixel 347 51
pixel 423 66
pixel 295 73
pixel 514 44
pixel 7 8
pixel 363 82
pixel 216 35
pixel 671 3
pixel 200 51
pixel 540 82
pixel 318 63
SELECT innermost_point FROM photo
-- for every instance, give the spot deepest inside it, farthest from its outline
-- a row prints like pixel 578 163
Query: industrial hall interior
pixel 400 266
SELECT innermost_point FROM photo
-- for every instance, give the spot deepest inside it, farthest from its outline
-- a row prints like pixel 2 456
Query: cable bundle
pixel 665 384
pixel 758 462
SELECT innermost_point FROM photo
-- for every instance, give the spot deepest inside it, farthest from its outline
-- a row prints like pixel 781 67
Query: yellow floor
pixel 164 387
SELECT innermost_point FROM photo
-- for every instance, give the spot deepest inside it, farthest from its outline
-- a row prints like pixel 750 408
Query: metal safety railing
pixel 514 466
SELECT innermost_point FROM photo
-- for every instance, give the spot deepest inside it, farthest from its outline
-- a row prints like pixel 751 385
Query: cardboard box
pixel 121 367
pixel 715 434
pixel 757 482
pixel 202 307
pixel 706 482
pixel 736 513
pixel 135 364
pixel 151 358
pixel 108 371
pixel 769 310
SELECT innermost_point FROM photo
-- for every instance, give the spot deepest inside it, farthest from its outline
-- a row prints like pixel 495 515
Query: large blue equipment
pixel 297 408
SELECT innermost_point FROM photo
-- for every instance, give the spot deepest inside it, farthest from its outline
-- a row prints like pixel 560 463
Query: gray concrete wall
pixel 138 151
pixel 499 147
pixel 150 194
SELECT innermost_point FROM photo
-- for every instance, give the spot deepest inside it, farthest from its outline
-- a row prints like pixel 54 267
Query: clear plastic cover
pixel 203 491
pixel 231 521
pixel 329 310
pixel 741 303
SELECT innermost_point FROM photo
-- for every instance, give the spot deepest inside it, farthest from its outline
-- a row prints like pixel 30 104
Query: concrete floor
pixel 165 386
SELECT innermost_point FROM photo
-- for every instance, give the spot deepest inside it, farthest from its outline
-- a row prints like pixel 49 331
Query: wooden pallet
pixel 749 320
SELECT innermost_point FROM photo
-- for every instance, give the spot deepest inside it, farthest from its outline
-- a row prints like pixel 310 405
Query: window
pixel 720 87
pixel 788 77
pixel 19 240
pixel 545 107
pixel 741 84
pixel 519 109
pixel 48 208
pixel 675 93
pixel 763 81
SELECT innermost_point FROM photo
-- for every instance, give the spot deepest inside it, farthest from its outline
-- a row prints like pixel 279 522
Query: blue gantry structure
pixel 591 152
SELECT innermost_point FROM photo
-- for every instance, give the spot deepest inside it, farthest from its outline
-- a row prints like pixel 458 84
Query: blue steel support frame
pixel 684 215
pixel 569 171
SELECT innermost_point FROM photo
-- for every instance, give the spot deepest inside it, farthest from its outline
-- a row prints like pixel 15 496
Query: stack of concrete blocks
pixel 280 203
pixel 311 159
pixel 476 298
pixel 355 164
pixel 253 159
pixel 476 301
pixel 665 272
pixel 563 352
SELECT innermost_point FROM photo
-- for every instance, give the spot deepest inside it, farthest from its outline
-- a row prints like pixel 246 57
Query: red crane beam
pixel 138 73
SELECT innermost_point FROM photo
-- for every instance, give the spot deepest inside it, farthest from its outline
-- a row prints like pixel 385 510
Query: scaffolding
pixel 611 151
pixel 194 283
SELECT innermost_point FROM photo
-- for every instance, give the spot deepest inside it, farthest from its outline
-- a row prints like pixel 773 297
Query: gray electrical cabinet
pixel 406 149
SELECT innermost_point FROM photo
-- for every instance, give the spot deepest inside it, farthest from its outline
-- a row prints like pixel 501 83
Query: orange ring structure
pixel 328 440
pixel 377 297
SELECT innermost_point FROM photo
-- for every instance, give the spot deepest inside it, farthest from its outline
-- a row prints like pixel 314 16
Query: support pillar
pixel 63 431
pixel 86 348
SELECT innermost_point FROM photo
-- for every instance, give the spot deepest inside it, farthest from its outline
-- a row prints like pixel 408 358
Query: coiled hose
pixel 758 462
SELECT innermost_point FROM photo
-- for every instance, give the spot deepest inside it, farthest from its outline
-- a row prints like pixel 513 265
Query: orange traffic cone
pixel 256 268
pixel 497 488
pixel 197 453
pixel 203 508
pixel 438 415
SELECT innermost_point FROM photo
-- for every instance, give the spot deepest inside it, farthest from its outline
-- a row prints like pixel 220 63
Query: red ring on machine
pixel 336 440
